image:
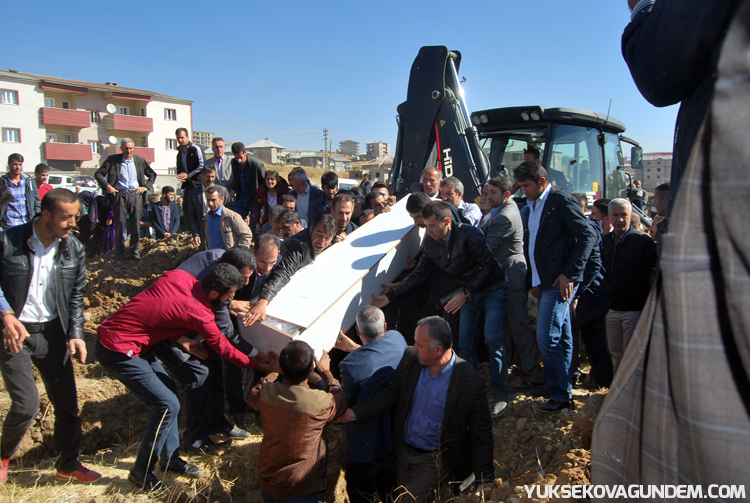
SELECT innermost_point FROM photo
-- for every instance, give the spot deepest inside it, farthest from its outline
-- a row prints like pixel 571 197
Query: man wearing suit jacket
pixel 124 179
pixel 304 193
pixel 165 216
pixel 221 163
pixel 441 421
pixel 557 244
pixel 196 206
pixel 504 231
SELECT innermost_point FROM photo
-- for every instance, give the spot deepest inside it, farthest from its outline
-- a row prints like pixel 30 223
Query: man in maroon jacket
pixel 176 304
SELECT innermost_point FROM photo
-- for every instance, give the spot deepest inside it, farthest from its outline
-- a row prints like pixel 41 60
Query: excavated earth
pixel 530 447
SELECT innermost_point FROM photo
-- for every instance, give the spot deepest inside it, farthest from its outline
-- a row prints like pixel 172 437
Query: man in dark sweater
pixel 629 257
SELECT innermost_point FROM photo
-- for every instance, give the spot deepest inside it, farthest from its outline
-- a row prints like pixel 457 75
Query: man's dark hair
pixel 297 360
pixel 417 202
pixel 380 185
pixel 15 157
pixel 238 256
pixel 214 189
pixel 348 192
pixel 181 130
pixel 153 200
pixel 529 170
pixel 238 147
pixel 286 198
pixel 533 151
pixel 358 190
pixel 221 279
pixel 603 206
pixel 439 332
pixel 366 175
pixel 582 199
pixel 217 138
pixel 326 221
pixel 40 168
pixel 369 198
pixel 330 180
pixel 664 187
pixel 265 241
pixel 166 190
pixel 502 183
pixel 436 209
pixel 341 198
pixel 288 216
pixel 51 201
pixel 208 169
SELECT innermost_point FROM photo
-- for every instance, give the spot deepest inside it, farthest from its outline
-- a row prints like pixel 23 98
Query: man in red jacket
pixel 176 304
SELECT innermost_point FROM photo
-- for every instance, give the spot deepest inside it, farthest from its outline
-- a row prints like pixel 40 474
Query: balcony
pixel 64 117
pixel 129 123
pixel 67 152
pixel 145 152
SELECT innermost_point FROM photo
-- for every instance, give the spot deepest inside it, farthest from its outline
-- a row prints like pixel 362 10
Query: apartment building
pixel 73 125
pixel 378 149
pixel 202 138
pixel 657 169
pixel 349 147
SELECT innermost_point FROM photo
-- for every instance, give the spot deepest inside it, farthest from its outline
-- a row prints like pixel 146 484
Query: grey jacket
pixel 227 175
pixel 504 232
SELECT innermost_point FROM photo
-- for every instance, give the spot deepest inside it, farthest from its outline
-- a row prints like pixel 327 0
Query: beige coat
pixel 234 230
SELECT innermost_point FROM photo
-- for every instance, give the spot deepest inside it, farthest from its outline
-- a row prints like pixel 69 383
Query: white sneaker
pixel 499 408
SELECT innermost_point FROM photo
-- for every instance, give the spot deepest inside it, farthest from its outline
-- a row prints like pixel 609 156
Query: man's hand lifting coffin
pixel 297 254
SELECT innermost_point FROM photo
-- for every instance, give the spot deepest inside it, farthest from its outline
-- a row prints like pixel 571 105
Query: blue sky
pixel 287 69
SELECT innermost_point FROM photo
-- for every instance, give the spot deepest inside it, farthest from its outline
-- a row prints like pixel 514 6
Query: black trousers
pixel 590 319
pixel 47 348
pixel 372 481
pixel 127 208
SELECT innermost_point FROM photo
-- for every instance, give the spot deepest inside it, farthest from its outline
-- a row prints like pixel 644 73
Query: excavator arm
pixel 434 128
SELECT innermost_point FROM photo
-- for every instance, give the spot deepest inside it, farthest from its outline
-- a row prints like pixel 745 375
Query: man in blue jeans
pixel 557 242
pixel 461 252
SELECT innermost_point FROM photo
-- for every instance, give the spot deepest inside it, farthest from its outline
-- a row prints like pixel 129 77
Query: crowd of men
pixel 416 415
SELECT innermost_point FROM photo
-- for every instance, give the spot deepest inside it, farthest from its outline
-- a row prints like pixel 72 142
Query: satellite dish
pixel 111 108
pixel 113 140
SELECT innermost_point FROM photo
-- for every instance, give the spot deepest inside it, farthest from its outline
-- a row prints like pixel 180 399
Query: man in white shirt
pixel 42 284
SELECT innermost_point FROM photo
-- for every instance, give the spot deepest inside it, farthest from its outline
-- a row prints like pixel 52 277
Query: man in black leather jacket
pixel 461 252
pixel 297 254
pixel 43 281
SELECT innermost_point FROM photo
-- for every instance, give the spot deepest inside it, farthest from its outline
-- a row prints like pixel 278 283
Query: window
pixel 11 135
pixel 171 144
pixel 94 116
pixel 170 114
pixel 122 111
pixel 171 171
pixel 9 97
pixel 66 105
pixel 51 138
pixel 95 147
pixel 144 141
pixel 143 112
pixel 68 138
pixel 49 102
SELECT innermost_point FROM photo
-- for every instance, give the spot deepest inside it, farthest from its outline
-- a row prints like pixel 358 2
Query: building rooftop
pixel 68 85
pixel 386 159
pixel 266 143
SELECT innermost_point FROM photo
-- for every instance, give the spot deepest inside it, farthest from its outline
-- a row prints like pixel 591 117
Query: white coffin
pixel 325 296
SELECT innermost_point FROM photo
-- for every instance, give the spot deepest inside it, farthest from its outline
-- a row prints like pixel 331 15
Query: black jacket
pixel 297 254
pixel 33 206
pixel 672 51
pixel 110 171
pixel 157 219
pixel 470 262
pixel 70 276
pixel 629 265
pixel 194 161
pixel 466 442
pixel 563 242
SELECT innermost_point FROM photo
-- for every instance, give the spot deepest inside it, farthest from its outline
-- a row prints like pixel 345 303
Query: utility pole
pixel 325 149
